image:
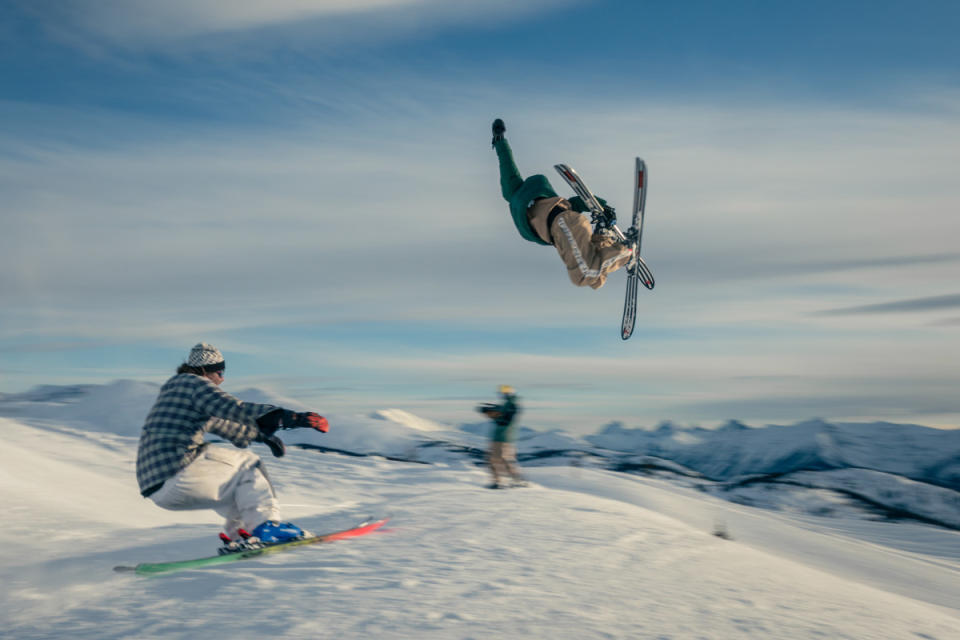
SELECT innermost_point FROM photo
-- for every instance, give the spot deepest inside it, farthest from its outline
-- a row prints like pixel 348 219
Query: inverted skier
pixel 543 217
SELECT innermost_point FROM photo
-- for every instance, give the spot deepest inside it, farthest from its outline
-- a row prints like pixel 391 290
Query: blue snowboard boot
pixel 271 532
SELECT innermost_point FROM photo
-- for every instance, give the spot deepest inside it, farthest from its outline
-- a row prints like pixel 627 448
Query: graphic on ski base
pixel 605 218
pixel 154 568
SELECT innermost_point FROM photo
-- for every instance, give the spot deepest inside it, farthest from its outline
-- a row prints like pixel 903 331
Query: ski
pixel 154 568
pixel 637 269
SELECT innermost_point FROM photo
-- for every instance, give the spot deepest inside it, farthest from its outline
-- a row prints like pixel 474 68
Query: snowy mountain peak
pixel 408 420
pixel 733 425
pixel 667 427
pixel 816 424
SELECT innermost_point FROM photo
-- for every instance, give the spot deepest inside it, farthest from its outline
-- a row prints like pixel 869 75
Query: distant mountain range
pixel 873 470
pixel 735 450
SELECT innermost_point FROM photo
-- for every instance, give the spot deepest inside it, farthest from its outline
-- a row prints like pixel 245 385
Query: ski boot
pixel 498 130
pixel 630 242
pixel 271 532
pixel 604 220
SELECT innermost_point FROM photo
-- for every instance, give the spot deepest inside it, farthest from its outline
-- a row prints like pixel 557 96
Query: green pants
pixel 510 178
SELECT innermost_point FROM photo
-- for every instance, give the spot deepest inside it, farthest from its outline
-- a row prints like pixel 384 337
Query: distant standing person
pixel 178 470
pixel 503 453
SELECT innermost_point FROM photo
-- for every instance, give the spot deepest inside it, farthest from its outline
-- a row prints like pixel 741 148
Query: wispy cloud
pixel 908 404
pixel 913 305
pixel 192 25
pixel 126 21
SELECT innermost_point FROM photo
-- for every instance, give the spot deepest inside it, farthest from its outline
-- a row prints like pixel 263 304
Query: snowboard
pixel 154 568
pixel 637 270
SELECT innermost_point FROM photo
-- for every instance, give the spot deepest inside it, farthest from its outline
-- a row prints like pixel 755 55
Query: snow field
pixel 581 554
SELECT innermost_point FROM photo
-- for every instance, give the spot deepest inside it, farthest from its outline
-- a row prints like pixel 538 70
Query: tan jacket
pixel 588 259
pixel 539 213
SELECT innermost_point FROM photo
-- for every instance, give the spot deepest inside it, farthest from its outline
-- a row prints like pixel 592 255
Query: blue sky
pixel 310 186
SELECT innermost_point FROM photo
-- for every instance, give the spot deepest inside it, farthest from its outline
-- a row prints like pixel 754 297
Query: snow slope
pixel 584 553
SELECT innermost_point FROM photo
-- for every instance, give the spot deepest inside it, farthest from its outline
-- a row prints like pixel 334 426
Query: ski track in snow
pixel 580 554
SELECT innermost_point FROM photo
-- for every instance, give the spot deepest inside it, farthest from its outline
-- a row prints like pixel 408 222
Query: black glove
pixel 498 130
pixel 269 423
pixel 275 444
pixel 578 205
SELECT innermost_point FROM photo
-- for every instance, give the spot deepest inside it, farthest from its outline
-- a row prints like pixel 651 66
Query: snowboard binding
pixel 246 542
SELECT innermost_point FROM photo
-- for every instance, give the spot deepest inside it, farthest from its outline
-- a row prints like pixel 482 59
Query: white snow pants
pixel 232 482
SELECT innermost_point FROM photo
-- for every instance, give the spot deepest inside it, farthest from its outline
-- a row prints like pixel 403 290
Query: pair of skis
pixel 637 269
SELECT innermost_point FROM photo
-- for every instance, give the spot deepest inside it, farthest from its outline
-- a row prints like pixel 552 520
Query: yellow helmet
pixel 506 390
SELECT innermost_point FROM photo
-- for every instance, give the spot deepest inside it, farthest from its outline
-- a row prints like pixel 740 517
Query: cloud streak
pixel 215 25
pixel 913 305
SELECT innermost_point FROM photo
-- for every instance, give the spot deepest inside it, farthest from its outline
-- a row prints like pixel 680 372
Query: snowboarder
pixel 543 217
pixel 503 454
pixel 178 470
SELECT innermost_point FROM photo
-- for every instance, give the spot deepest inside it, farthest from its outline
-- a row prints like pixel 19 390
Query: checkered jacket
pixel 188 407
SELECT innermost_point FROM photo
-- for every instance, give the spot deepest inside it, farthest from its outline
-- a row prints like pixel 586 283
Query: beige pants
pixel 503 461
pixel 232 482
pixel 589 260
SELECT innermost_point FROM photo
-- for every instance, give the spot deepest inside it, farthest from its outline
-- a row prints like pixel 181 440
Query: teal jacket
pixel 533 188
pixel 504 417
pixel 520 193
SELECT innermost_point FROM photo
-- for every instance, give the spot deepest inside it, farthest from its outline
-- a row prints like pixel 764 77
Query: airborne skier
pixel 543 217
pixel 179 471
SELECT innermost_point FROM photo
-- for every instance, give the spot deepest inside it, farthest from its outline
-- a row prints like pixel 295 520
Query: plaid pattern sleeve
pixel 189 406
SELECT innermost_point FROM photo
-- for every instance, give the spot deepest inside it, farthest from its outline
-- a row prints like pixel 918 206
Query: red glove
pixel 312 420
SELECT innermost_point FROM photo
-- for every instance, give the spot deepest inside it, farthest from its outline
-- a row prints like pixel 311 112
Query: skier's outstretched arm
pixel 286 419
pixel 277 419
pixel 510 178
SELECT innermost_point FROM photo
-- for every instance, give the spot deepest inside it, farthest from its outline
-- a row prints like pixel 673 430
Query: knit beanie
pixel 207 357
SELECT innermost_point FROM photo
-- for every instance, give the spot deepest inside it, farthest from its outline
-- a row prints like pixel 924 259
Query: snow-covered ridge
pixel 735 450
pixel 407 419
pixel 909 470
